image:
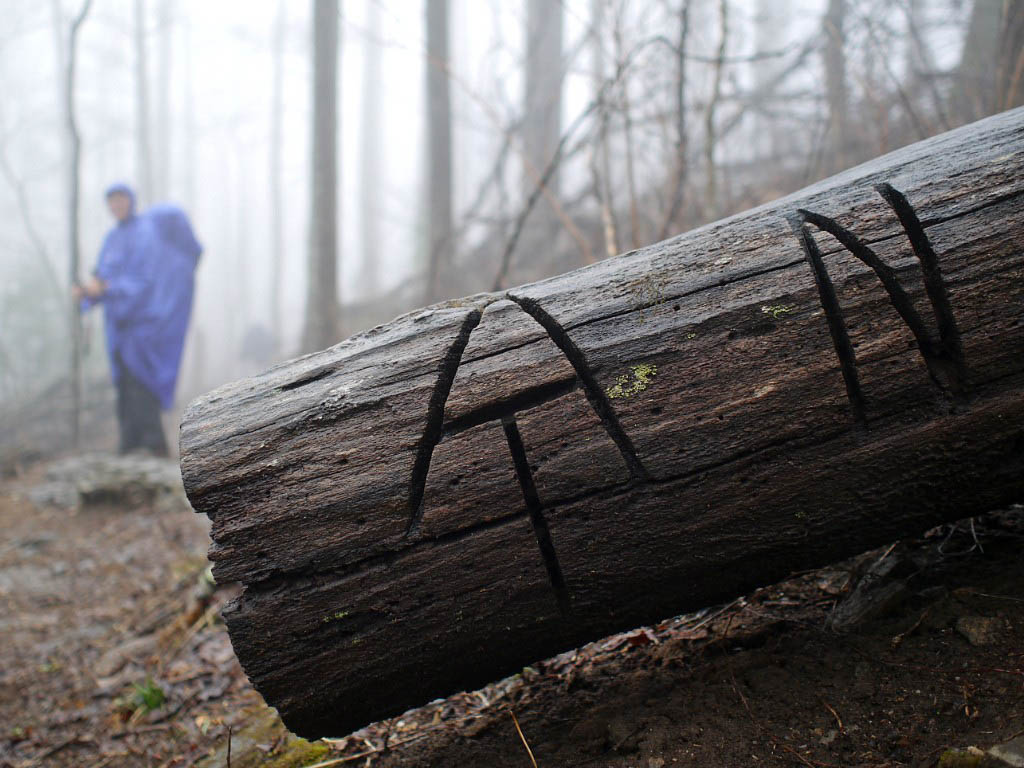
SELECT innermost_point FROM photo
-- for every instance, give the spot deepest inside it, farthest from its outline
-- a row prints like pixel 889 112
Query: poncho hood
pixel 120 188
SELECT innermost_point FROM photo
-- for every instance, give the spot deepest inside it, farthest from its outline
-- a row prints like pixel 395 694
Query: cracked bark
pixel 672 418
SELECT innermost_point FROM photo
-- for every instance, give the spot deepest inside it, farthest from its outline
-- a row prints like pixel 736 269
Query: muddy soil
pixel 111 654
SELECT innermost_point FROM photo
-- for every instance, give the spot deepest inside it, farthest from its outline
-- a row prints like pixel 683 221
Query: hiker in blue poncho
pixel 144 278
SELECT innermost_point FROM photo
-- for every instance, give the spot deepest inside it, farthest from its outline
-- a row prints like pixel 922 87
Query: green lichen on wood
pixel 629 384
pixel 778 311
pixel 298 753
pixel 261 726
pixel 335 617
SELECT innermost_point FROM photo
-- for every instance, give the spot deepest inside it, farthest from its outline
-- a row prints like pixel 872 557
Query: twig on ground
pixel 898 639
pixel 711 617
pixel 229 746
pixel 974 535
pixel 142 729
pixel 728 624
pixel 521 736
pixel 370 752
pixel 76 739
pixel 953 529
pixel 377 750
pixel 108 759
pixel 839 720
pixel 192 631
pixel 884 555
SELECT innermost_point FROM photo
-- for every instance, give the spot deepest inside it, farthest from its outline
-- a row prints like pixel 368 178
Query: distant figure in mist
pixel 144 278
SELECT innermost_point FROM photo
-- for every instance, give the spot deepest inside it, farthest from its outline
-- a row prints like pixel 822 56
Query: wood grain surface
pixel 432 504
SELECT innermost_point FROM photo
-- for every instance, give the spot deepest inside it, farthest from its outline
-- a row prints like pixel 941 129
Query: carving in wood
pixel 505 412
pixel 943 355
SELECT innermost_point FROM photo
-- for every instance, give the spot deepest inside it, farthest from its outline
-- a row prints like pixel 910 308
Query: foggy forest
pixel 474 146
pixel 485 334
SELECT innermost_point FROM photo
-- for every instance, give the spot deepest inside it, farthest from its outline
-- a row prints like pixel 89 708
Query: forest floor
pixel 112 654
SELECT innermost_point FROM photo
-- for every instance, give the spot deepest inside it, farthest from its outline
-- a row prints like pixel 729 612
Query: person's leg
pixel 124 443
pixel 124 423
pixel 143 409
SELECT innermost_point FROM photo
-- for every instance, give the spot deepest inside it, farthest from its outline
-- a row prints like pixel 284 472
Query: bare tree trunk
pixel 916 53
pixel 232 308
pixel 600 162
pixel 680 169
pixel 773 17
pixel 321 326
pixel 143 147
pixel 974 95
pixel 195 348
pixel 276 193
pixel 710 139
pixel 439 145
pixel 73 236
pixel 242 306
pixel 635 236
pixel 919 62
pixel 1010 57
pixel 162 134
pixel 542 110
pixel 835 86
pixel 60 45
pixel 370 155
pixel 189 159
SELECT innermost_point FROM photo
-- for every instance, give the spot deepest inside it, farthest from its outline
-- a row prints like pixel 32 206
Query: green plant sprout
pixel 148 696
pixel 628 385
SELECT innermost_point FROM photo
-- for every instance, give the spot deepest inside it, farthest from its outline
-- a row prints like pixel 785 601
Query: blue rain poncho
pixel 148 264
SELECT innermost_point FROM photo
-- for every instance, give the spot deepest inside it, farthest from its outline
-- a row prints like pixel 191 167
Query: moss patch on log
pixel 248 745
pixel 629 384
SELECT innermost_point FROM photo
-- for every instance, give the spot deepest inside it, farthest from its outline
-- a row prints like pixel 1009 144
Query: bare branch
pixel 595 103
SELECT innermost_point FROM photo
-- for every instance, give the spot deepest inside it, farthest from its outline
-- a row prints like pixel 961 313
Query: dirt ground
pixel 112 654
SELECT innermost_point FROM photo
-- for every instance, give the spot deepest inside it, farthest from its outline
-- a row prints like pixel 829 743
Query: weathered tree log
pixel 436 502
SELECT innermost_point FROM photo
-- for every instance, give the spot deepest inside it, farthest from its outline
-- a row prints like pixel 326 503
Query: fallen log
pixel 434 503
